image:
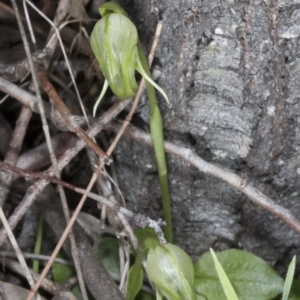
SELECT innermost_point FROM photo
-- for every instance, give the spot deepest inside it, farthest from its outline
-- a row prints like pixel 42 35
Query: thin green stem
pixel 156 129
pixel 38 245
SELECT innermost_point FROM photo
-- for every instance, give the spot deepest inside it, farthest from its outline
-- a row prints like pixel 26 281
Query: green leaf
pixel 289 279
pixel 251 277
pixel 226 285
pixel 142 295
pixel 135 281
pixel 147 237
pixel 295 291
pixel 77 292
pixel 61 272
pixel 108 252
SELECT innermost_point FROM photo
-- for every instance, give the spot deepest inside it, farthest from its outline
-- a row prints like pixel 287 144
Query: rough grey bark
pixel 231 70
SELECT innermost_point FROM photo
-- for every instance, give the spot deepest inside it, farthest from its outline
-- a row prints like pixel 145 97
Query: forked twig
pixel 95 175
pixel 139 219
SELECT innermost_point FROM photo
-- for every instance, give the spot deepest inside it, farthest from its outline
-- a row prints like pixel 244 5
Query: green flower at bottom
pixel 172 272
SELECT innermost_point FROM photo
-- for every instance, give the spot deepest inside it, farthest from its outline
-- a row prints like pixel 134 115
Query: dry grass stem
pixel 36 257
pixel 17 250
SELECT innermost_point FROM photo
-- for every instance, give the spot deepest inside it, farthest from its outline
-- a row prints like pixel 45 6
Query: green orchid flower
pixel 114 41
pixel 172 272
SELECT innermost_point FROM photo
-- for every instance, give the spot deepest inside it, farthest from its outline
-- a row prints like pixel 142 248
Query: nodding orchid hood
pixel 114 41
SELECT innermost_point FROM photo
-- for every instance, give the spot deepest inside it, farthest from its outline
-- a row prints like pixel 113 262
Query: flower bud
pixel 172 272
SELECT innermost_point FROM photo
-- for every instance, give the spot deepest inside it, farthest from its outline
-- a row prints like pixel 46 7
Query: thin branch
pixel 31 101
pixel 38 157
pixel 139 219
pixel 13 151
pixel 6 180
pixel 18 70
pixel 40 257
pixel 23 96
pixel 60 14
pixel 232 179
pixel 100 284
pixel 67 116
pixel 103 185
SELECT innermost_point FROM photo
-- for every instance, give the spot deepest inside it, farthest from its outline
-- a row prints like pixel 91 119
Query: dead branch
pixel 29 100
pixel 20 69
pixel 232 179
pixel 23 96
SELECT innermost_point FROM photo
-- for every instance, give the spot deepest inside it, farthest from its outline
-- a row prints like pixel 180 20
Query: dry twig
pixel 210 169
pixel 139 219
pixel 97 278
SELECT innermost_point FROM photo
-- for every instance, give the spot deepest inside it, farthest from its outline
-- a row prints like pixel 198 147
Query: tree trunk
pixel 230 70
